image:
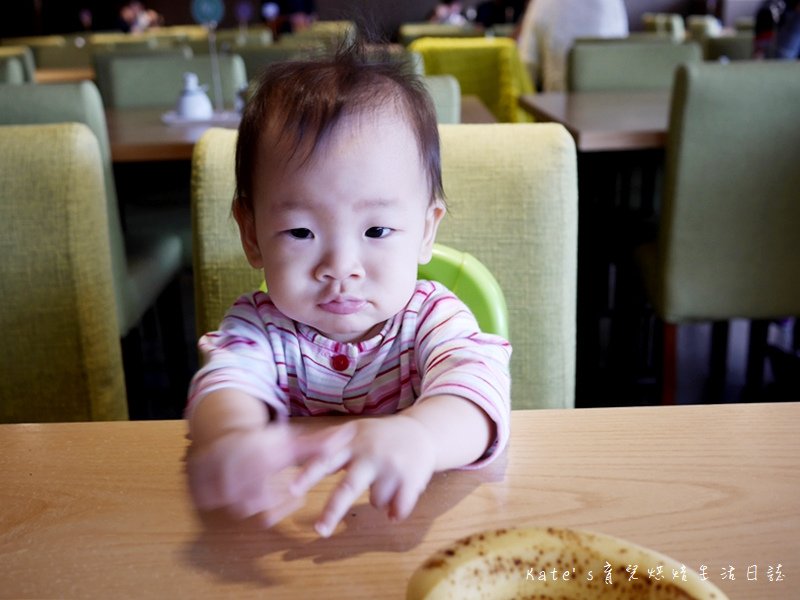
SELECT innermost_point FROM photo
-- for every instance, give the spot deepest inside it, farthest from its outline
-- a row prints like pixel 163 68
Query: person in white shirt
pixel 549 28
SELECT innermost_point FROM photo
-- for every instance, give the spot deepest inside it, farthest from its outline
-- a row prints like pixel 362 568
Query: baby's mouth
pixel 343 306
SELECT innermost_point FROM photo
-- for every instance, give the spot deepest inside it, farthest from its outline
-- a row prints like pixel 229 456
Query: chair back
pixel 446 95
pixel 63 360
pixel 156 80
pixel 79 103
pixel 512 192
pixel 621 64
pixel 11 70
pixel 24 71
pixel 409 32
pixel 470 280
pixel 489 68
pixel 735 46
pixel 728 239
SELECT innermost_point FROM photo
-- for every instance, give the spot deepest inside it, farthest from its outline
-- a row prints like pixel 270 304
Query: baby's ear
pixel 247 233
pixel 433 217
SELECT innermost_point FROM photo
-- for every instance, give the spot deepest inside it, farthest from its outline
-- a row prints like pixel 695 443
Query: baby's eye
pixel 300 233
pixel 378 232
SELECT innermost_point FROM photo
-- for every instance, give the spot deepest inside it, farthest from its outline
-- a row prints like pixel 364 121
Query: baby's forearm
pixel 224 411
pixel 460 429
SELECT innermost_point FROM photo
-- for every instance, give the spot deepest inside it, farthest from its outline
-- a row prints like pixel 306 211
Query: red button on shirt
pixel 340 362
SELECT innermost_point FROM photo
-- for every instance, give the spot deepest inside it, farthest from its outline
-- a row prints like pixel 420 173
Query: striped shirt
pixel 433 347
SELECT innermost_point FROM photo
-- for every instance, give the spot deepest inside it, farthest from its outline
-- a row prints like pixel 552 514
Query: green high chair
pixel 471 281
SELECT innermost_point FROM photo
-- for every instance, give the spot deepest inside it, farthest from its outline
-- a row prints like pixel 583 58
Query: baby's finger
pixel 317 469
pixel 382 491
pixel 404 500
pixel 358 478
pixel 278 513
pixel 327 441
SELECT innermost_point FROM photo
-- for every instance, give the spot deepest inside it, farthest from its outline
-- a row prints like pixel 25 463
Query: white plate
pixel 226 117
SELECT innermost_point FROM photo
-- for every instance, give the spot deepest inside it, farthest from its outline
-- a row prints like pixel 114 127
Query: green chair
pixel 157 80
pixel 669 23
pixel 473 283
pixel 737 46
pixel 728 244
pixel 257 58
pixel 62 361
pixel 489 68
pixel 625 65
pixel 512 193
pixel 409 32
pixel 446 95
pixel 146 263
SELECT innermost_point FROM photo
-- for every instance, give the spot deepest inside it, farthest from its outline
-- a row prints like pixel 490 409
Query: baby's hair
pixel 296 104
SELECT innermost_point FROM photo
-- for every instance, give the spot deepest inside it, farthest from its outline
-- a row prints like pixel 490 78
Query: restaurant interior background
pixel 36 17
pixel 603 383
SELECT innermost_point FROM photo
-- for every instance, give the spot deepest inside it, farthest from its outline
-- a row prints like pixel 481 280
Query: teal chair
pixel 11 70
pixel 156 80
pixel 728 244
pixel 620 64
pixel 20 64
pixel 445 92
pixel 62 358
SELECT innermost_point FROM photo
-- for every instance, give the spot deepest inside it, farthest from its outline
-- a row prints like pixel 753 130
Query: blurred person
pixel 549 28
pixel 447 13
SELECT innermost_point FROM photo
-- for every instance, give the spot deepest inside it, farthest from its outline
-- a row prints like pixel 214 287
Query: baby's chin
pixel 352 337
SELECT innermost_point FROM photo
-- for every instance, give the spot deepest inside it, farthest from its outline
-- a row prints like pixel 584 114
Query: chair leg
pixel 718 366
pixel 756 354
pixel 668 369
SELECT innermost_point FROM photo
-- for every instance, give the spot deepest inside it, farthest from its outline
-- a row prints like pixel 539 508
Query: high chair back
pixel 512 196
pixel 62 359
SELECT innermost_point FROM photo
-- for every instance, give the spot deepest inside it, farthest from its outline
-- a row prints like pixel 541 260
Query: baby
pixel 338 199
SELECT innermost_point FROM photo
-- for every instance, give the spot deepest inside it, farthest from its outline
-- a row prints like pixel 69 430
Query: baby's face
pixel 340 238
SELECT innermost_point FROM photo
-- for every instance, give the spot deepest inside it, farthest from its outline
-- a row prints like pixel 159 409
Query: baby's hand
pixel 244 471
pixel 392 456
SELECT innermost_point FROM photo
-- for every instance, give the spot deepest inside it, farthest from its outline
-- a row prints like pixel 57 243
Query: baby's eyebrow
pixel 297 204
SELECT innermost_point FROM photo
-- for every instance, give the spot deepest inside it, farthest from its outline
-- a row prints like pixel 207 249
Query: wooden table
pixel 602 121
pixel 64 75
pixel 138 135
pixel 100 509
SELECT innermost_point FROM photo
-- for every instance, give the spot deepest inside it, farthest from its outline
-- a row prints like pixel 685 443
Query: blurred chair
pixel 11 70
pixel 512 190
pixel 737 46
pixel 23 68
pixel 409 32
pixel 728 244
pixel 62 358
pixel 701 27
pixel 257 58
pixel 670 23
pixel 157 80
pixel 145 264
pixel 623 65
pixel 446 95
pixel 489 68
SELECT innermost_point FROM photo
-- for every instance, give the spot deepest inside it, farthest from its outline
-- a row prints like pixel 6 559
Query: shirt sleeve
pixel 455 358
pixel 239 356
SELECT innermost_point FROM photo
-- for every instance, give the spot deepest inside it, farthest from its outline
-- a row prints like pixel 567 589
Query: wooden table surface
pixel 601 121
pixel 138 134
pixel 100 509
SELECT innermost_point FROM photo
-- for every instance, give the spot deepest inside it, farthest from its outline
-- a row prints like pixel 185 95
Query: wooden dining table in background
pixel 140 135
pixel 605 121
pixel 100 509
